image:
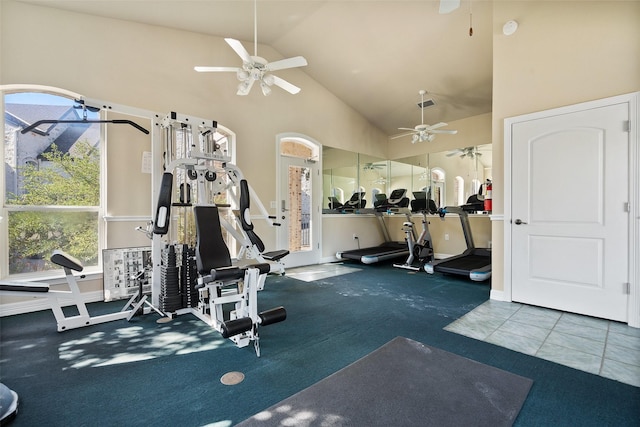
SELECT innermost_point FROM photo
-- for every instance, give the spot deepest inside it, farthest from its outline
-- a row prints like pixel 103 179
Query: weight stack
pixel 189 277
pixel 170 299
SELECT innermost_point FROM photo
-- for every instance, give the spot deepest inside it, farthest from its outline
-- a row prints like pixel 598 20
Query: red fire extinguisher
pixel 488 206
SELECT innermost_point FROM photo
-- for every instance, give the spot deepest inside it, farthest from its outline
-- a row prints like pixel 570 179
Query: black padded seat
pixel 275 255
pixel 63 259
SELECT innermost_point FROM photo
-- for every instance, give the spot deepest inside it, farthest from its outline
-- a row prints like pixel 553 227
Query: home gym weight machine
pixel 196 275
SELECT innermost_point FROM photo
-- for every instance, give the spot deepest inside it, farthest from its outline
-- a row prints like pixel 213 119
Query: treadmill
pixel 474 263
pixel 389 249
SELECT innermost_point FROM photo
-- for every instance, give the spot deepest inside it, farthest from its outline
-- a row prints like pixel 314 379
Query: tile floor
pixel 321 271
pixel 606 348
pixel 602 347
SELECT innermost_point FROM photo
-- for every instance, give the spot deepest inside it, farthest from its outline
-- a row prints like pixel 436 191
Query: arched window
pixel 53 194
pixel 437 192
pixel 458 190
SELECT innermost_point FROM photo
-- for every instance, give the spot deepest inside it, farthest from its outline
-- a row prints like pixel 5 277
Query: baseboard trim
pixel 498 295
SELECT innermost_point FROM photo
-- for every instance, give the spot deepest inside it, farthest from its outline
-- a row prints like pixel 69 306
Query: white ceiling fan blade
pixel 292 89
pixel 402 134
pixel 297 61
pixel 450 132
pixel 240 50
pixel 448 6
pixel 215 69
pixel 407 129
pixel 436 126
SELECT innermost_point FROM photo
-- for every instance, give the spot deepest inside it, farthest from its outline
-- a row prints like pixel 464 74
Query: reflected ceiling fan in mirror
pixel 255 68
pixel 471 152
pixel 373 166
pixel 424 132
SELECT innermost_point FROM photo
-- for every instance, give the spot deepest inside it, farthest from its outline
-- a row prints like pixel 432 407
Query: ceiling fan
pixel 471 152
pixel 424 132
pixel 255 68
pixel 372 166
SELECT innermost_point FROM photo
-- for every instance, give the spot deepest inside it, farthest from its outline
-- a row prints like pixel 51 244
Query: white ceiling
pixel 375 55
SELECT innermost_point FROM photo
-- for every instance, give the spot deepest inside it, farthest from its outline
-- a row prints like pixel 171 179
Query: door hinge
pixel 627 126
pixel 626 288
pixel 627 207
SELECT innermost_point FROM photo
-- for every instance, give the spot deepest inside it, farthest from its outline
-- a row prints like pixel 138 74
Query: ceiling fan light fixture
pixel 242 75
pixel 244 88
pixel 268 79
pixel 415 138
pixel 266 90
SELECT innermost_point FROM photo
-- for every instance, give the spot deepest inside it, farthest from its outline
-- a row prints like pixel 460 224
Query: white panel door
pixel 570 220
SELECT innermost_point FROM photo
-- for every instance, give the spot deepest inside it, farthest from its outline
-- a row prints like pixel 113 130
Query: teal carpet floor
pixel 143 373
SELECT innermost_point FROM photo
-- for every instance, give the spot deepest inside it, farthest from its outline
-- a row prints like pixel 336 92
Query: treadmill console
pixel 356 201
pixel 396 196
pixel 397 199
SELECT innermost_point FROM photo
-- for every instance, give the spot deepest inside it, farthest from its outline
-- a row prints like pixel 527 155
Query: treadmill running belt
pixel 463 265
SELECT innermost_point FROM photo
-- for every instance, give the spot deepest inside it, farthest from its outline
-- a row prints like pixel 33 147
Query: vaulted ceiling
pixel 375 55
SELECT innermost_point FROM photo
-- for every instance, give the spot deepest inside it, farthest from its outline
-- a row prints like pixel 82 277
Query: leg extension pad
pixel 231 328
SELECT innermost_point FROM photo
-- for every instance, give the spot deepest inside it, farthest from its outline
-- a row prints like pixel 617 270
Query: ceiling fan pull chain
pixel 470 20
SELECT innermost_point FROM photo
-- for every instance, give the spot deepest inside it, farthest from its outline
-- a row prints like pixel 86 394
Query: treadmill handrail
pixel 464 221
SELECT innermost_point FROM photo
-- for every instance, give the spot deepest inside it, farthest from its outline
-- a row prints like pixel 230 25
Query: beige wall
pixel 151 68
pixel 472 131
pixel 564 52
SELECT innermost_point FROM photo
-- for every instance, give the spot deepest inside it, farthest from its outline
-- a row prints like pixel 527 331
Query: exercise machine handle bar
pixel 115 121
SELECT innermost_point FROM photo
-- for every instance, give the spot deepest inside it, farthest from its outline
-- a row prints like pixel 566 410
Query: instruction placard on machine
pixel 123 270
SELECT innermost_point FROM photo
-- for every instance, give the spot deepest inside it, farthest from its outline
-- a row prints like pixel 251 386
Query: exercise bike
pixel 420 249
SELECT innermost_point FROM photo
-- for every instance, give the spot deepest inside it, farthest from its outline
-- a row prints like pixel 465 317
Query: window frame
pixel 6 209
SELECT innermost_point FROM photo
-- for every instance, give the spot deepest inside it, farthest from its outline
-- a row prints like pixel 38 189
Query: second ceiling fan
pixel 424 132
pixel 255 68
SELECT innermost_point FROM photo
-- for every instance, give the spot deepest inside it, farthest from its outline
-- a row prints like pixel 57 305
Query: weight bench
pixel 220 284
pixel 57 299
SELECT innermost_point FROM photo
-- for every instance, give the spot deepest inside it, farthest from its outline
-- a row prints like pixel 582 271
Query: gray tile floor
pixel 602 347
pixel 310 273
pixel 606 348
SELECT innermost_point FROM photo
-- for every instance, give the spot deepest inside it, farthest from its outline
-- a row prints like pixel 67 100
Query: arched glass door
pixel 299 199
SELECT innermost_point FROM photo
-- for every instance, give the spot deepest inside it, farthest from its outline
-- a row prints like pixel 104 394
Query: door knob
pixel 519 221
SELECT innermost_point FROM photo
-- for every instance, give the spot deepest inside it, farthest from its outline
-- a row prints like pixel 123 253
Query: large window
pixel 51 192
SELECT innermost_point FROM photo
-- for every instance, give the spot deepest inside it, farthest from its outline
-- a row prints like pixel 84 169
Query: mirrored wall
pixel 449 178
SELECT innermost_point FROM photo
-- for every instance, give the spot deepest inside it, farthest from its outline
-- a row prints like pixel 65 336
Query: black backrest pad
pixel 163 211
pixel 244 205
pixel 211 250
pixel 245 215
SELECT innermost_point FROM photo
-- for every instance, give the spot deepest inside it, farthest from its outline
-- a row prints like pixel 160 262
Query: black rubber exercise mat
pixel 404 383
